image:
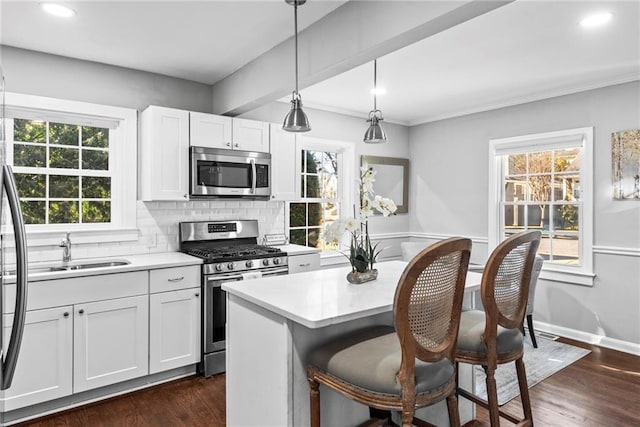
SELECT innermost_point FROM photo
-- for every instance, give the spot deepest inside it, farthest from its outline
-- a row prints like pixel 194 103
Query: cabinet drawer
pixel 307 262
pixel 74 290
pixel 170 279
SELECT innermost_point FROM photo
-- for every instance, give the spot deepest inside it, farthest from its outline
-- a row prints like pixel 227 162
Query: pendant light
pixel 296 120
pixel 375 134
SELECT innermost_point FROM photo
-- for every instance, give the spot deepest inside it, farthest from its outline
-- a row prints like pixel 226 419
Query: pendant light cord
pixel 375 85
pixel 295 30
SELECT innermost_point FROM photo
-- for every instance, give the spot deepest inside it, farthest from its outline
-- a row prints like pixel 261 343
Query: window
pixel 543 182
pixel 321 172
pixel 74 164
pixel 62 172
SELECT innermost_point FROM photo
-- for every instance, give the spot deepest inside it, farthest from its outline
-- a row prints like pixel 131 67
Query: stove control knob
pixel 249 264
pixel 230 266
pixel 276 261
pixel 265 261
pixel 218 267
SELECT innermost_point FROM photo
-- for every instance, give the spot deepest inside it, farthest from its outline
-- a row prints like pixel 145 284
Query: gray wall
pixel 42 74
pixel 450 192
pixel 345 128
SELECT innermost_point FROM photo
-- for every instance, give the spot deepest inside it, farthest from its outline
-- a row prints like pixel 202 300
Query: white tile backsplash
pixel 158 227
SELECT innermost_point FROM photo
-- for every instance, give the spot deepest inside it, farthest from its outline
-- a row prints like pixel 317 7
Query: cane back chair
pixel 493 337
pixel 414 365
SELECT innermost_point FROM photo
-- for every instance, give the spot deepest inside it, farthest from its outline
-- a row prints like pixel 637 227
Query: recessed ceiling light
pixel 58 10
pixel 596 20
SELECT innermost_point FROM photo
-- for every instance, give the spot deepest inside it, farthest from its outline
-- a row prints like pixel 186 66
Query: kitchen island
pixel 273 323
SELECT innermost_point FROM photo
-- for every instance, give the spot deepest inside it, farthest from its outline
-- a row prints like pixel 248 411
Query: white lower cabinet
pixel 174 333
pixel 110 342
pixel 303 262
pixel 88 332
pixel 45 362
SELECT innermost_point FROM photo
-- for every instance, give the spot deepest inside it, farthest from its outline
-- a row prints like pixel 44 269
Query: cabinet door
pixel 110 342
pixel 174 334
pixel 250 135
pixel 285 185
pixel 210 130
pixel 45 362
pixel 164 154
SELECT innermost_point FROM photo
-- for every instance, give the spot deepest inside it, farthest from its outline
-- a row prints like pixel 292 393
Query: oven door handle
pixel 223 277
pixel 253 177
pixel 276 272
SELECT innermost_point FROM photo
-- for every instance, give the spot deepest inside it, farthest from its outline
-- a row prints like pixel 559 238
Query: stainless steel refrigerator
pixel 9 351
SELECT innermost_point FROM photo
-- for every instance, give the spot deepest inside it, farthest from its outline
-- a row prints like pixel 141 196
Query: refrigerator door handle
pixel 9 365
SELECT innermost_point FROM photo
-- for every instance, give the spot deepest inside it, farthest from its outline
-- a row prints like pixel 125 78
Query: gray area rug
pixel 540 363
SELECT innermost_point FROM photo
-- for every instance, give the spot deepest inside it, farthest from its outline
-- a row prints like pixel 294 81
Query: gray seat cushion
pixel 370 358
pixel 470 335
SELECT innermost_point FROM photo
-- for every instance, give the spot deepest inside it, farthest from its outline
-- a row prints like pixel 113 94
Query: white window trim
pixel 582 275
pixel 122 157
pixel 346 165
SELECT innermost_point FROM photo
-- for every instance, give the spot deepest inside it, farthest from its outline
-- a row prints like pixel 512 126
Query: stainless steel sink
pixel 79 265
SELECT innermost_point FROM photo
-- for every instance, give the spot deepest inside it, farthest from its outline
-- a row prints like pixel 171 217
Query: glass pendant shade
pixel 296 120
pixel 375 134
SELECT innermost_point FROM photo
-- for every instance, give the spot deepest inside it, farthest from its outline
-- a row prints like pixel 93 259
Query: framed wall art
pixel 625 159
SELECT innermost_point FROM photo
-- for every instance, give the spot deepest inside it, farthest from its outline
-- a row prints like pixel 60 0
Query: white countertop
pixel 324 297
pixel 136 263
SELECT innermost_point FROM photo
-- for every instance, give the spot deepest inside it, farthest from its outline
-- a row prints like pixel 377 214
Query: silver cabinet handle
pixel 81 311
pixel 66 314
pixel 228 144
pixel 304 265
pixel 236 145
pixel 197 294
pixel 11 358
pixel 176 279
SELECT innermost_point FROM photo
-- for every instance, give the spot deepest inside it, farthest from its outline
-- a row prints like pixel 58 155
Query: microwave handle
pixel 253 173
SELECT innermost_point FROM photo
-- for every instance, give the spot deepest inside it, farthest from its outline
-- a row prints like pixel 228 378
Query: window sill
pixel 37 238
pixel 572 277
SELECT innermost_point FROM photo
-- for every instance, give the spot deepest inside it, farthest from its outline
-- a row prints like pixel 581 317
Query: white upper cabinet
pixel 213 131
pixel 250 135
pixel 210 130
pixel 284 182
pixel 164 154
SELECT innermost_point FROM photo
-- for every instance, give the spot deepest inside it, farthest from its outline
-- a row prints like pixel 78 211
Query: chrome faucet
pixel 65 244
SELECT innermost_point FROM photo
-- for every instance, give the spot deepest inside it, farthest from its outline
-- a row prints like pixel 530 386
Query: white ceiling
pixel 524 51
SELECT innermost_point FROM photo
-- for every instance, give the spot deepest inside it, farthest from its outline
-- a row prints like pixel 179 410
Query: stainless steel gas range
pixel 230 252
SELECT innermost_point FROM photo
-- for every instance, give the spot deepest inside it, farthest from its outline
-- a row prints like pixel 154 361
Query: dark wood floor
pixel 601 389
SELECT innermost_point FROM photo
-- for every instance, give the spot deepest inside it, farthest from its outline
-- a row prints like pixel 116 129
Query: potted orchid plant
pixel 362 253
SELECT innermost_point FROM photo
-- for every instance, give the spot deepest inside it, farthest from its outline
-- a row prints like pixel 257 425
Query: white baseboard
pixel 599 340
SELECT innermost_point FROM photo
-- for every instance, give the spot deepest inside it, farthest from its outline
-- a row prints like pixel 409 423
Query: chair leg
pixel 314 400
pixel 524 391
pixel 454 415
pixel 530 326
pixel 492 396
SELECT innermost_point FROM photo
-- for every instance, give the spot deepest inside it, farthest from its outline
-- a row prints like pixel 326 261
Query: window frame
pixel 122 163
pixel 346 159
pixel 547 141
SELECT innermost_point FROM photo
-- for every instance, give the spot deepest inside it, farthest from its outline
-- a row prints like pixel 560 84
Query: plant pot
pixel 366 276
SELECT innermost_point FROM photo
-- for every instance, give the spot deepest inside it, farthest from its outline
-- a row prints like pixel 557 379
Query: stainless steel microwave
pixel 229 173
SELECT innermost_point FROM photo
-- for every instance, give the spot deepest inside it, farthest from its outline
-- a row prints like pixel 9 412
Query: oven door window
pixel 224 174
pixel 218 315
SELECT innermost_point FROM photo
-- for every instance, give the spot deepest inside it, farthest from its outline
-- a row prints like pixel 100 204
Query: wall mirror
pixel 392 179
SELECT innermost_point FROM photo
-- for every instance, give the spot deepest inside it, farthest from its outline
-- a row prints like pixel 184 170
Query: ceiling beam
pixel 351 35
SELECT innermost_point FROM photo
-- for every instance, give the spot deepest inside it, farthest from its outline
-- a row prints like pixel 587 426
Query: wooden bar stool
pixel 410 367
pixel 493 337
